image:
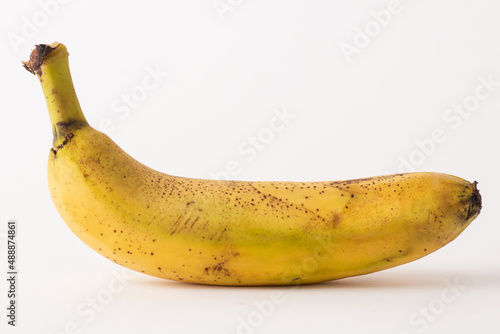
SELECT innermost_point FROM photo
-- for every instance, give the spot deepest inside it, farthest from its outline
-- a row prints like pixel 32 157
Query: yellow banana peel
pixel 236 232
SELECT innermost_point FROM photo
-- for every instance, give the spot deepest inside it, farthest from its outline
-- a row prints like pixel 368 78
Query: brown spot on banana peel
pixel 63 129
pixel 67 138
pixel 219 268
pixel 336 219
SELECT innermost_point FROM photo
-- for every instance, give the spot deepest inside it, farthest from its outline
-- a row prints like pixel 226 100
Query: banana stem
pixel 50 64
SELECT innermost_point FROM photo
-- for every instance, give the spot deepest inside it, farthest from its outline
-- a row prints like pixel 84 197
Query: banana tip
pixel 39 53
pixel 475 205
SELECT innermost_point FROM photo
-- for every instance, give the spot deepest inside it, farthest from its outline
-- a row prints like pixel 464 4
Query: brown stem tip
pixel 475 202
pixel 36 58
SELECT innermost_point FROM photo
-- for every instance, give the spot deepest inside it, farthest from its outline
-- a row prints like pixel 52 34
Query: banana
pixel 236 232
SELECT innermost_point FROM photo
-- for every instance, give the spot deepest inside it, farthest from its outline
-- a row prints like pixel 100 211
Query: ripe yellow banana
pixel 235 232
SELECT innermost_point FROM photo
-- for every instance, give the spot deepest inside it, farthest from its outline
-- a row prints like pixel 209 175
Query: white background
pixel 368 113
